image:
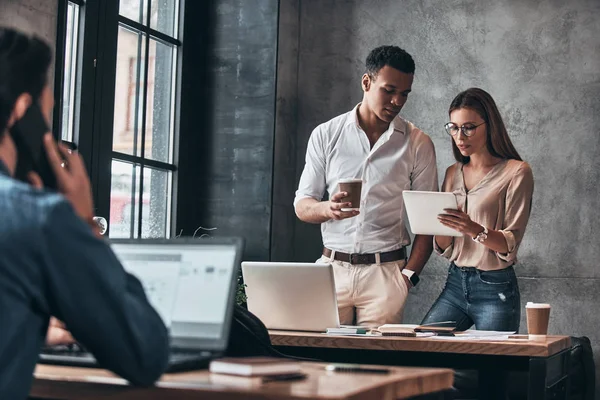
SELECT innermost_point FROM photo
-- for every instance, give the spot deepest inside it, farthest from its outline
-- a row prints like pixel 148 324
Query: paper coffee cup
pixel 538 317
pixel 353 187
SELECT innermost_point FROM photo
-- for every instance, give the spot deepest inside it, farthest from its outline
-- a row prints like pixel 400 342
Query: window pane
pixel 134 10
pixel 129 92
pixel 159 113
pixel 124 210
pixel 156 206
pixel 163 15
pixel 70 68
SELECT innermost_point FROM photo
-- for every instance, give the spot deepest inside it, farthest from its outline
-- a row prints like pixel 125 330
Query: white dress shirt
pixel 402 159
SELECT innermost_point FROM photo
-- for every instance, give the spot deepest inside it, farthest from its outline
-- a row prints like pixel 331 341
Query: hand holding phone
pixel 27 134
pixel 72 179
pixel 58 167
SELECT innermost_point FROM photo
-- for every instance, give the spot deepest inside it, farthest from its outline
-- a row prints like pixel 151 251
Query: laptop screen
pixel 189 284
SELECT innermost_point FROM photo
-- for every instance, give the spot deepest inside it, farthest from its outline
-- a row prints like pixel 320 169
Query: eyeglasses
pixel 467 129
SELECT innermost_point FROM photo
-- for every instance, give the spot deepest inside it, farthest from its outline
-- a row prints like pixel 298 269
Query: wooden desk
pixel 56 382
pixel 513 347
pixel 546 361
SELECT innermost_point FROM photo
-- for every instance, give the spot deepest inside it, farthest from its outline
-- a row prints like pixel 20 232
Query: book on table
pixel 407 330
pixel 254 366
pixel 236 380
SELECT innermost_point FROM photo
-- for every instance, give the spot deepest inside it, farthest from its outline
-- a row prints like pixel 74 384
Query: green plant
pixel 240 295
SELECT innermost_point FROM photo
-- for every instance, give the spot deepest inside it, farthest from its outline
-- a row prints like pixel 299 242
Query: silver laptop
pixel 191 283
pixel 292 296
pixel 423 208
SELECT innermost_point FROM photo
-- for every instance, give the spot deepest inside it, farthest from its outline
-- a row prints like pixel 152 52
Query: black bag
pixel 249 336
pixel 583 370
pixel 582 373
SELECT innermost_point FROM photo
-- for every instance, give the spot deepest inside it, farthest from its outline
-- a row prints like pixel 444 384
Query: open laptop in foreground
pixel 192 285
pixel 292 296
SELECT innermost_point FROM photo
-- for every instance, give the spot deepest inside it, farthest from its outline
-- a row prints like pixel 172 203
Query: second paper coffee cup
pixel 538 317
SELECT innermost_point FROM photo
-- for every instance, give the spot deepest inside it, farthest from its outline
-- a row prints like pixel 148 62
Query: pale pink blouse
pixel 500 201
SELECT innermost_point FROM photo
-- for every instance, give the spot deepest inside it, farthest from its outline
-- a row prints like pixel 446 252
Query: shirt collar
pixel 397 124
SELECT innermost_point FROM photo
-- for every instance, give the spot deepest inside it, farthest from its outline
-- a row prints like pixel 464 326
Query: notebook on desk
pixel 192 285
pixel 445 328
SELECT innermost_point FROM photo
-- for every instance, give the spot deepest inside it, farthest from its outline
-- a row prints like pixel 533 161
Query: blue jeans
pixel 491 301
pixel 488 299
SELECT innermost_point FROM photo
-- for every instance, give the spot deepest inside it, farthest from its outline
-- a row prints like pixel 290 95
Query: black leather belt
pixel 367 258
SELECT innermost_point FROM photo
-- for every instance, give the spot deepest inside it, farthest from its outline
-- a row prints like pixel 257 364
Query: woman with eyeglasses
pixel 493 188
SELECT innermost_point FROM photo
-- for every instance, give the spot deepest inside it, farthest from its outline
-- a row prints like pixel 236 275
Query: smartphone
pixel 443 328
pixel 28 133
pixel 355 368
pixel 284 377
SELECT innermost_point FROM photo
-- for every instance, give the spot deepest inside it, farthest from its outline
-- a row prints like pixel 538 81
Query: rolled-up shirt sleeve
pixel 424 175
pixel 447 252
pixel 312 181
pixel 518 208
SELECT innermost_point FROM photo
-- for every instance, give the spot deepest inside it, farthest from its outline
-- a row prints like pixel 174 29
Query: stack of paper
pixel 474 334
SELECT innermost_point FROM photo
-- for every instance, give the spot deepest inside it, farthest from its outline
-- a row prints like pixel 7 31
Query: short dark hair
pixel 393 56
pixel 24 63
pixel 498 142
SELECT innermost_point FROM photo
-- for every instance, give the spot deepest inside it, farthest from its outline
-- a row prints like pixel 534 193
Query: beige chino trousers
pixel 369 294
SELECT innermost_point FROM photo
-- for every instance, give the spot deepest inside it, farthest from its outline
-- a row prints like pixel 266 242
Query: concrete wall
pixel 33 17
pixel 234 193
pixel 540 59
pixel 286 144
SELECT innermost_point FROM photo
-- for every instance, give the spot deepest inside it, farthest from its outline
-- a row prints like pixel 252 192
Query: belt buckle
pixel 357 258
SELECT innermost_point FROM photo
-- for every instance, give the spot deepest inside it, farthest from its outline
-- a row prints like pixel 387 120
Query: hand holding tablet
pixel 423 209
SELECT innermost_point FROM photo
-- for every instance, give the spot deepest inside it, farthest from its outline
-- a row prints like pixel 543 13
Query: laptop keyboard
pixel 68 355
pixel 77 355
pixel 69 350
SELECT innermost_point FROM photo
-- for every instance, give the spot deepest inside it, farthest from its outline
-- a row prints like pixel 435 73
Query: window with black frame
pixel 136 45
pixel 67 70
pixel 143 129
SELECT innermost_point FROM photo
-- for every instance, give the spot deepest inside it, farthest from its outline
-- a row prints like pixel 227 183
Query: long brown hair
pixel 498 142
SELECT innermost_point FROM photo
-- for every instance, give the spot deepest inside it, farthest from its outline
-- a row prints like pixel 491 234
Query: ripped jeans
pixel 488 299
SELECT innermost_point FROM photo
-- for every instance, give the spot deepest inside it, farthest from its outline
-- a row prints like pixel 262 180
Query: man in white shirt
pixel 373 143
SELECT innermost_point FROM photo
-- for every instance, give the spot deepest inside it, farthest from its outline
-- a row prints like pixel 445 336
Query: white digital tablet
pixel 423 209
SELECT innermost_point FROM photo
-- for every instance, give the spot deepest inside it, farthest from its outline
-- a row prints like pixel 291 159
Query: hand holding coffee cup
pixel 353 188
pixel 345 203
pixel 538 317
